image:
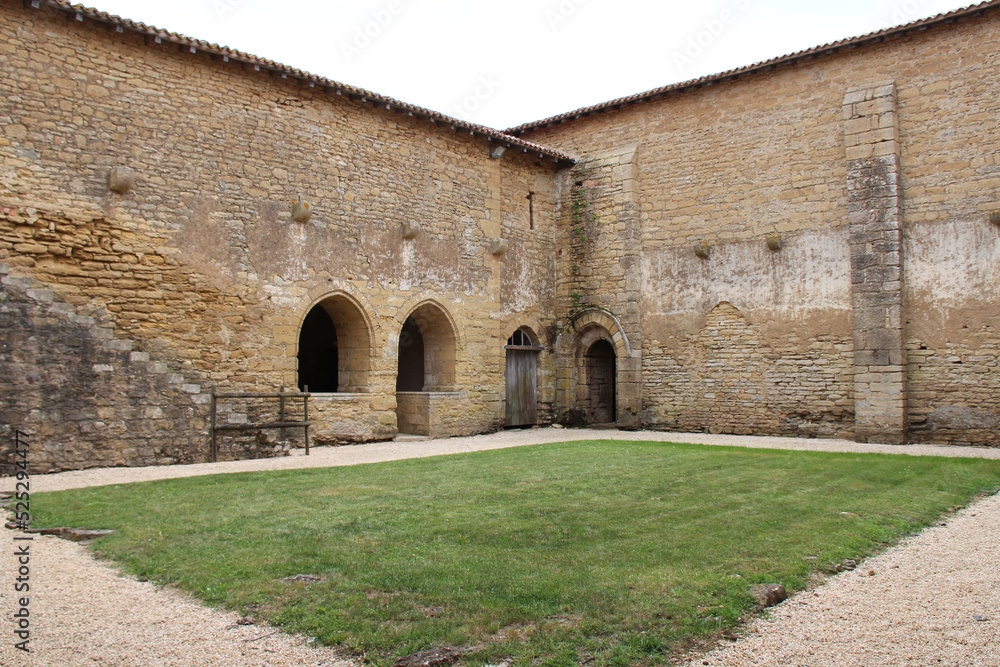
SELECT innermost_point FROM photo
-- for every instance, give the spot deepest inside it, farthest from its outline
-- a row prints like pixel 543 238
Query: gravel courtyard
pixel 933 600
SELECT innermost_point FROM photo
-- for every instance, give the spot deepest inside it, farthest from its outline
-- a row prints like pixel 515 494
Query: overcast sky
pixel 502 63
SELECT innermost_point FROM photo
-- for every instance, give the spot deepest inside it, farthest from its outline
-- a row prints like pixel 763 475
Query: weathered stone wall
pixel 803 250
pixel 202 258
pixel 599 229
pixel 724 170
pixel 726 378
pixel 66 377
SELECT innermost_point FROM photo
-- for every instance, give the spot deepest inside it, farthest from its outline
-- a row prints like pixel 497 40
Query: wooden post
pixel 215 450
pixel 281 411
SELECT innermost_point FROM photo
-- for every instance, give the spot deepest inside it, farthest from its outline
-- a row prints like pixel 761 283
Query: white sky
pixel 505 63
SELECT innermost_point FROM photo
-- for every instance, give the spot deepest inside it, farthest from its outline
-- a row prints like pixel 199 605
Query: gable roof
pixel 154 35
pixel 826 49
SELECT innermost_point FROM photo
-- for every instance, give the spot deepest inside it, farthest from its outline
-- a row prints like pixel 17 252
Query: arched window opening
pixel 410 376
pixel 335 346
pixel 521 338
pixel 318 353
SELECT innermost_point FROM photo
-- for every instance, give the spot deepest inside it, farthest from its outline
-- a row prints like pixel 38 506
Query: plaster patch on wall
pixel 520 285
pixel 811 273
pixel 949 263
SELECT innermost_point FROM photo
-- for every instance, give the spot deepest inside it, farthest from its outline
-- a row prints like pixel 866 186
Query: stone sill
pixel 338 396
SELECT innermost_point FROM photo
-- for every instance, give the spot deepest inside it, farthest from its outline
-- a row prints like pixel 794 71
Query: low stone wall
pixel 438 414
pixel 413 412
pixel 339 419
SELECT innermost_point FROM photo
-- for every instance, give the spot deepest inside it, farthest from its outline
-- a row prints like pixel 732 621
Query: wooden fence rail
pixel 282 422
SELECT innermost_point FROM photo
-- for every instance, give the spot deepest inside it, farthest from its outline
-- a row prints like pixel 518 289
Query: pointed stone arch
pixel 440 338
pixel 342 316
pixel 427 371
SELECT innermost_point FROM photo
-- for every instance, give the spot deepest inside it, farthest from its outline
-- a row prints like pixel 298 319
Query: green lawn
pixel 604 553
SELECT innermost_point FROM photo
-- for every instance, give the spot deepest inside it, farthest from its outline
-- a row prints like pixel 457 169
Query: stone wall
pixel 202 258
pixel 804 249
pixel 752 192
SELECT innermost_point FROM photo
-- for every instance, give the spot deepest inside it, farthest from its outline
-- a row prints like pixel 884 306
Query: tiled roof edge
pixel 226 54
pixel 880 35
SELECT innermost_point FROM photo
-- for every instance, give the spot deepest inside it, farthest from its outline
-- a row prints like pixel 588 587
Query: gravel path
pixel 921 607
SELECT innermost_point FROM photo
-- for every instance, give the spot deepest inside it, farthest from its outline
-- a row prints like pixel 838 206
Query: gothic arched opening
pixel 318 353
pixel 426 365
pixel 334 352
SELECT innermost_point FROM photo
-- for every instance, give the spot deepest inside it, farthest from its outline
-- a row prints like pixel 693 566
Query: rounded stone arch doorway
pixel 521 379
pixel 334 350
pixel 600 373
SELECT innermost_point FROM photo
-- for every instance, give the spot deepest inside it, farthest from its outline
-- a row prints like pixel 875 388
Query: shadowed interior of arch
pixel 601 394
pixel 334 348
pixel 318 353
pixel 428 334
pixel 410 374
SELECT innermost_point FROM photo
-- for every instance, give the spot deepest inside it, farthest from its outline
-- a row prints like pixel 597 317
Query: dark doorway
pixel 410 376
pixel 520 376
pixel 601 382
pixel 318 353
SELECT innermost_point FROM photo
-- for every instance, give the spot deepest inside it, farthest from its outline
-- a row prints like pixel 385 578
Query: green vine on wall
pixel 580 214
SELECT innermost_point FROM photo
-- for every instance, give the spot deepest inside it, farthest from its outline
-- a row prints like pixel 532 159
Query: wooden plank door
pixel 522 407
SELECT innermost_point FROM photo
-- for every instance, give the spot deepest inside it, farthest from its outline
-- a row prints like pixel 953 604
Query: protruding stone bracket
pixel 301 210
pixel 871 137
pixel 120 179
pixel 410 230
pixel 498 247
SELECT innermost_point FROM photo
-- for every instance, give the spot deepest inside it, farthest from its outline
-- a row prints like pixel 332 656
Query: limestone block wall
pixel 437 414
pixel 202 256
pixel 952 343
pixel 600 275
pixel 89 398
pixel 725 167
pixel 728 378
pixel 349 418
